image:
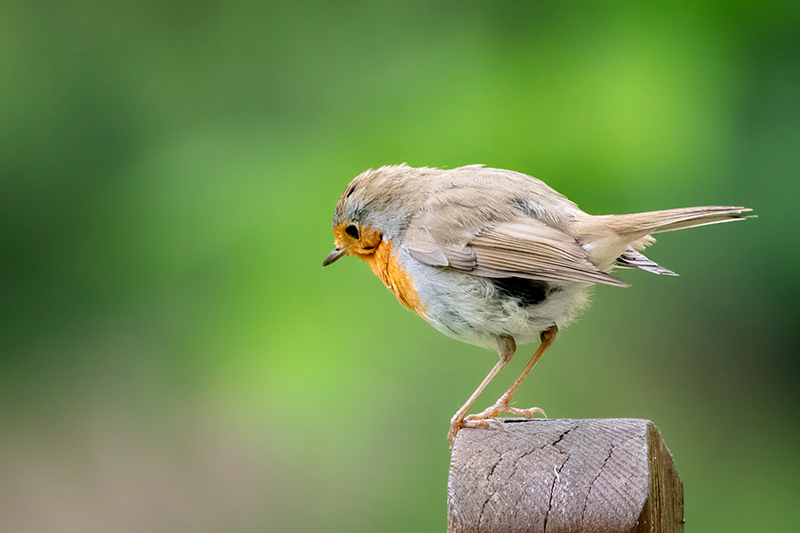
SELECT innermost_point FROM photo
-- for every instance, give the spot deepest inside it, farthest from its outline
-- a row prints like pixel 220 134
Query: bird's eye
pixel 352 231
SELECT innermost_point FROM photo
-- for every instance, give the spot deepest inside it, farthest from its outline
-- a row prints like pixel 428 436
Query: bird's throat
pixel 383 262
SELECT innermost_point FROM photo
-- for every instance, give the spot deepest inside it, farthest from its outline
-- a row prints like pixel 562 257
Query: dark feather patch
pixel 526 207
pixel 527 291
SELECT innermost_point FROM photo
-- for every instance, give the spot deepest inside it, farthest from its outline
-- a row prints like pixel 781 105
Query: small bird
pixel 492 257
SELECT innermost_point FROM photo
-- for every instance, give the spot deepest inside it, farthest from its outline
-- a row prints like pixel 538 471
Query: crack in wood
pixel 599 479
pixel 591 485
pixel 489 482
pixel 556 477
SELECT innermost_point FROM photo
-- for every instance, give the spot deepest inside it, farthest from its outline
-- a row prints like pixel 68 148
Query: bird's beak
pixel 333 256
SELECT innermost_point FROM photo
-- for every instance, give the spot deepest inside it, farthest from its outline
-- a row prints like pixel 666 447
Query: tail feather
pixel 610 239
pixel 674 219
pixel 633 259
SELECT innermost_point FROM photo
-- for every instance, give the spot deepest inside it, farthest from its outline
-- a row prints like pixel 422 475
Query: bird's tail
pixel 615 240
pixel 673 219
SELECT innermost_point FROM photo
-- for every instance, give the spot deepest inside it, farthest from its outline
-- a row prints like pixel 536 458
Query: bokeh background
pixel 173 357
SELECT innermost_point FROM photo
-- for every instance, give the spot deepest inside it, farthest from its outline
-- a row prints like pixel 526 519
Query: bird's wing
pixel 521 248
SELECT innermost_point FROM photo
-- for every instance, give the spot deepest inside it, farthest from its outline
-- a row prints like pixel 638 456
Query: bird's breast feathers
pixel 384 264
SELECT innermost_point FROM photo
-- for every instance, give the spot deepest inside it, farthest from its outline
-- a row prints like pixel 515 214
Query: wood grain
pixel 592 475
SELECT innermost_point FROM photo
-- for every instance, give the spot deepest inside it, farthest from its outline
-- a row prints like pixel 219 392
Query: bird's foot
pixel 456 423
pixel 486 419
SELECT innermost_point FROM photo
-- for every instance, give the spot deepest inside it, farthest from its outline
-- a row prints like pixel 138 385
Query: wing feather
pixel 523 248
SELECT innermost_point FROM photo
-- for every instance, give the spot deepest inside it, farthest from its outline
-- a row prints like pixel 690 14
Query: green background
pixel 173 357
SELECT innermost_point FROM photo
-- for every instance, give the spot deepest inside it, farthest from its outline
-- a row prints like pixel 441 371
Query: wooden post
pixel 563 475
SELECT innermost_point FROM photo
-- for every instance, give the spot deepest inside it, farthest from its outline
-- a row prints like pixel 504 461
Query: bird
pixel 494 258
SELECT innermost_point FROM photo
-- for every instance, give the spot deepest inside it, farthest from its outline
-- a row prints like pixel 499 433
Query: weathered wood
pixel 558 476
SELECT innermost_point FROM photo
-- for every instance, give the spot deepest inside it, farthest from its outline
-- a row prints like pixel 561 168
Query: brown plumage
pixel 493 257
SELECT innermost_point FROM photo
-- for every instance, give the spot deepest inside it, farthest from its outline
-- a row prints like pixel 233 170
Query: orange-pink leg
pixel 506 348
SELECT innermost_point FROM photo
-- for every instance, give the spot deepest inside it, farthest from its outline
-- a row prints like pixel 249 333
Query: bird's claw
pixel 487 419
pixel 484 423
pixel 527 413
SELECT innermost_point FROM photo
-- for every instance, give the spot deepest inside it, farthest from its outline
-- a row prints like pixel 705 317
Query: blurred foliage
pixel 174 358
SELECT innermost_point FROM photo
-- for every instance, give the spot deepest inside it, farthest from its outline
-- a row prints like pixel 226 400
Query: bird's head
pixel 353 238
pixel 371 210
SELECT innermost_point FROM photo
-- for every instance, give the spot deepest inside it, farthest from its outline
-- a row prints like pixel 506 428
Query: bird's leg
pixel 483 419
pixel 505 349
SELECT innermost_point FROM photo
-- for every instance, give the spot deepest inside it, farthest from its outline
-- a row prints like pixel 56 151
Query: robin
pixel 492 257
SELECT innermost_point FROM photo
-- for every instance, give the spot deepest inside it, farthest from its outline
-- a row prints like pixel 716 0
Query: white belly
pixel 472 309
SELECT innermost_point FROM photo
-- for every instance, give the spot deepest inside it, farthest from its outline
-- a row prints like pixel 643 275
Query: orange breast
pixel 384 264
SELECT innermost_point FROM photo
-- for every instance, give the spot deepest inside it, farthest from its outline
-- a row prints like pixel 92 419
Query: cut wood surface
pixel 564 475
